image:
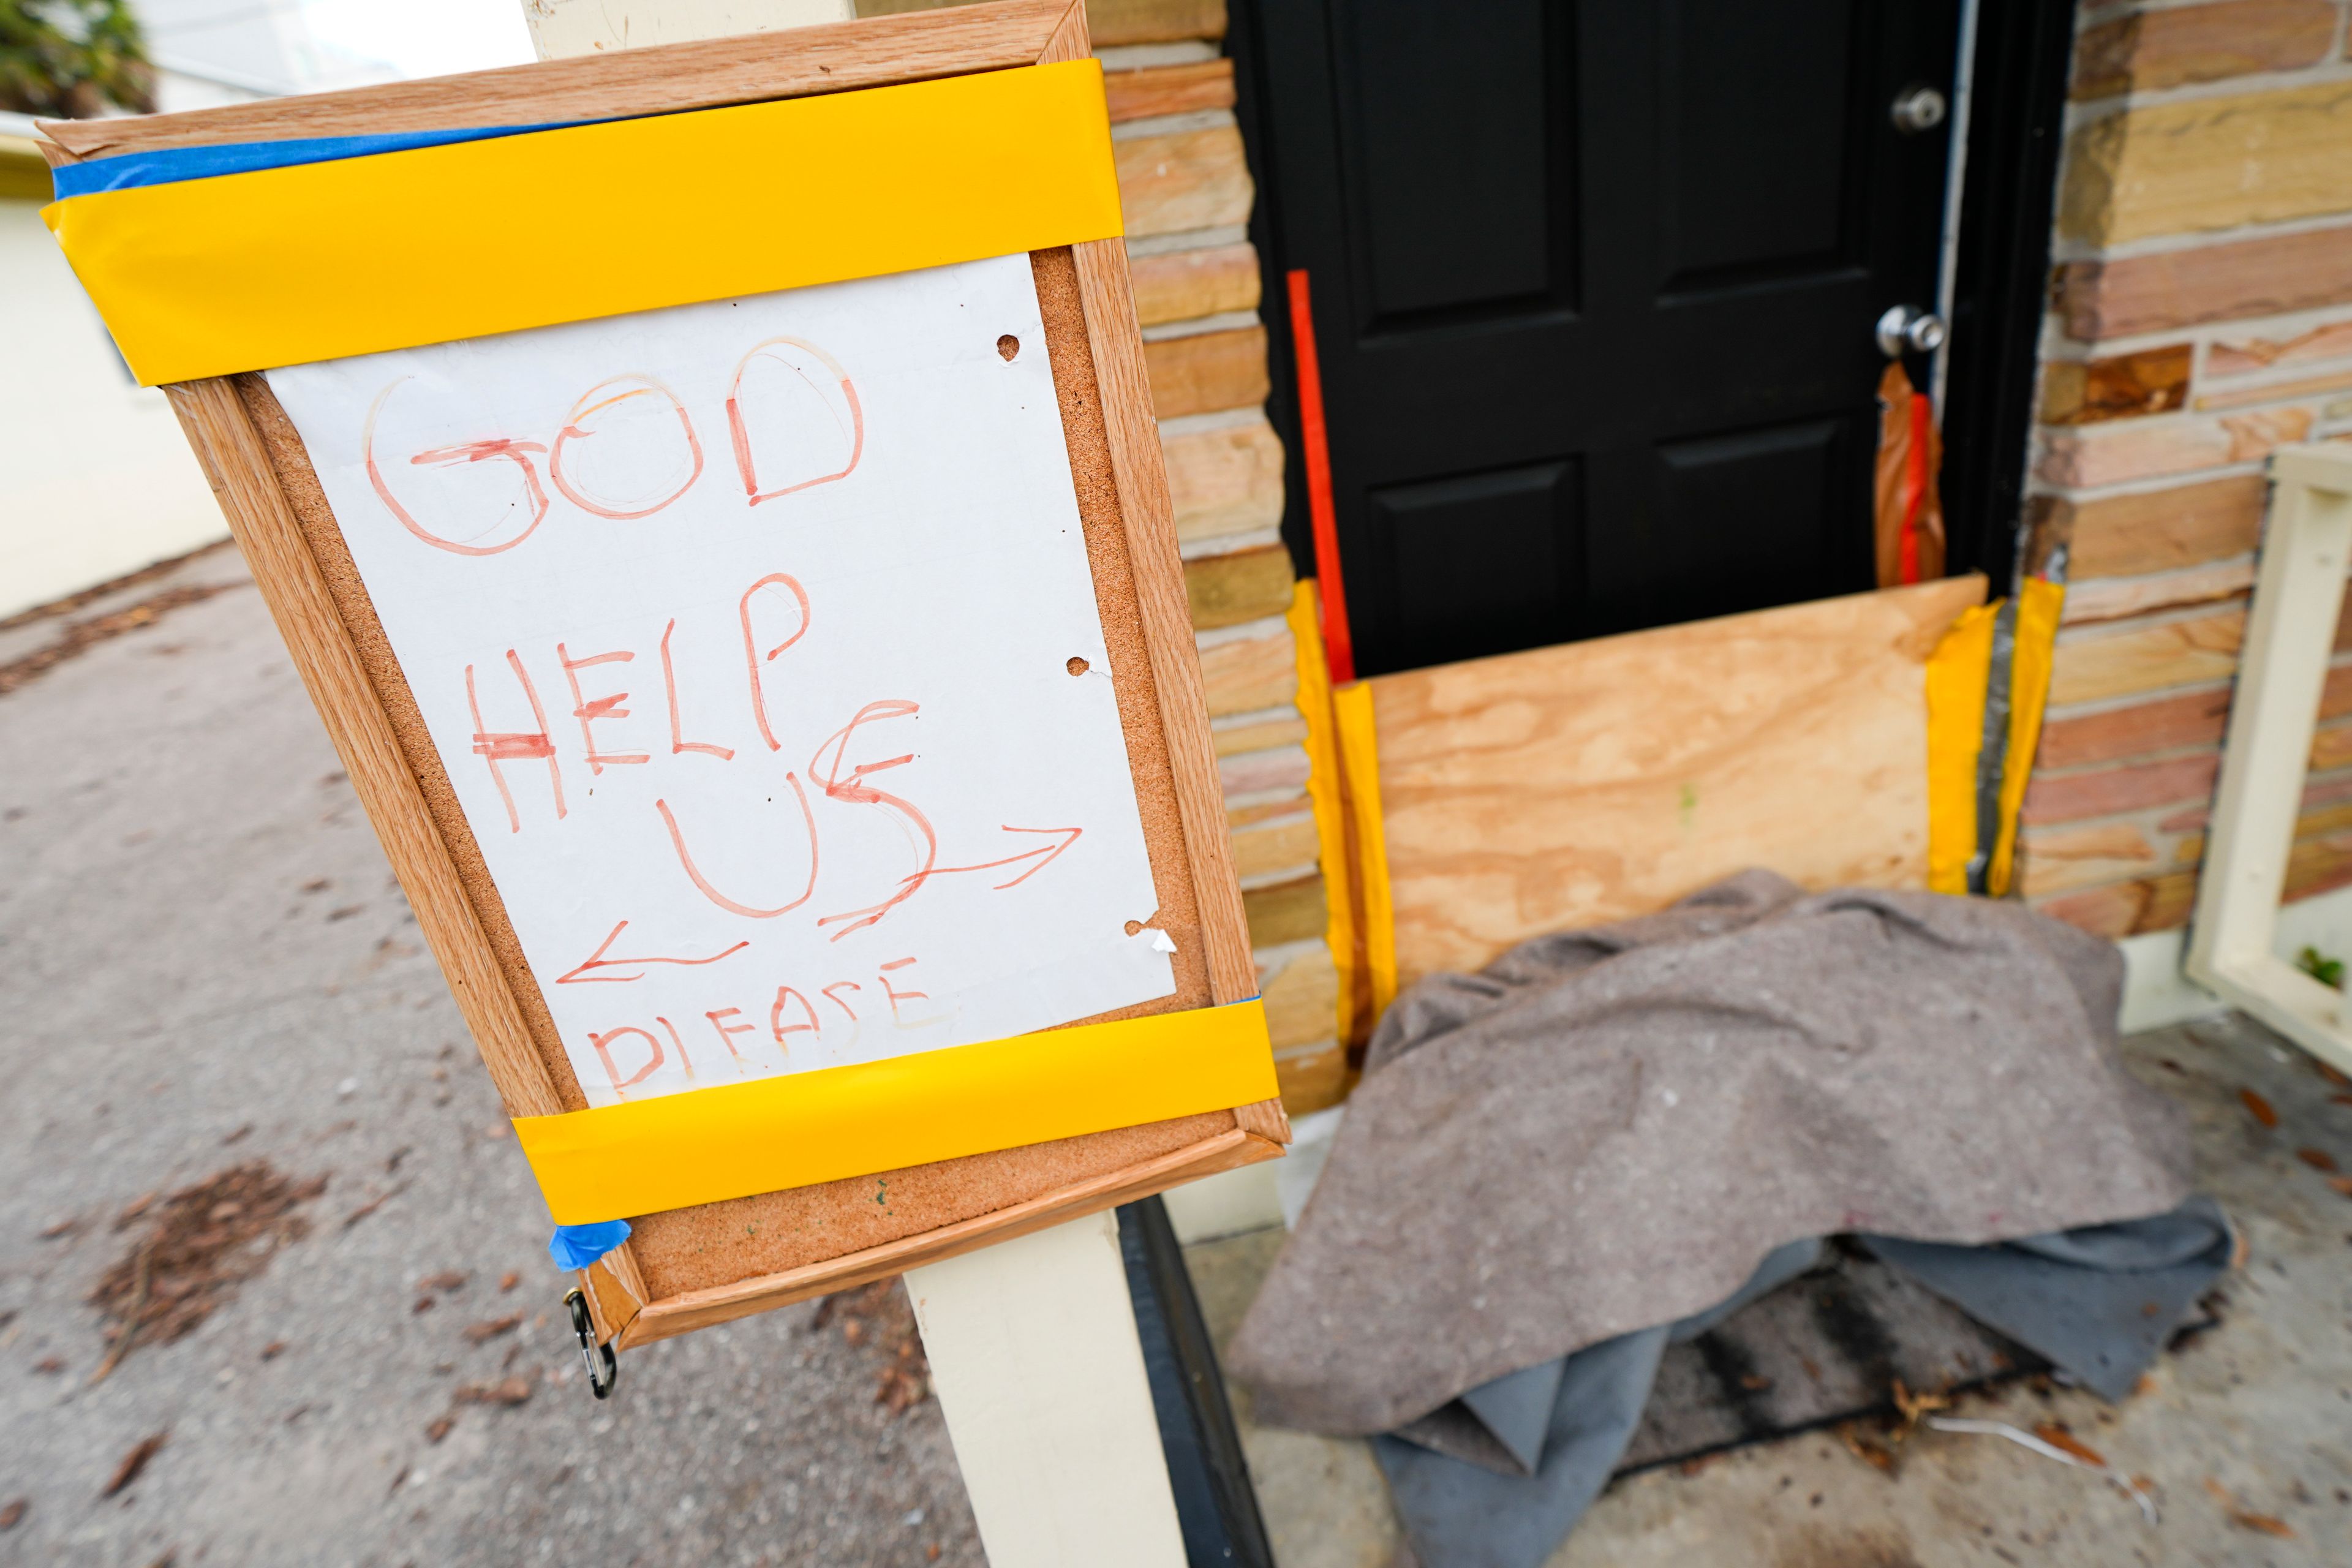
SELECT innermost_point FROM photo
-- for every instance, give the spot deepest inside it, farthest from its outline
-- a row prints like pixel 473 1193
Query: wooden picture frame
pixel 2290 640
pixel 690 1268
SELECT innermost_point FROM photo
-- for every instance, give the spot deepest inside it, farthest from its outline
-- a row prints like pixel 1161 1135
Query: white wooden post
pixel 1032 1344
pixel 1036 1364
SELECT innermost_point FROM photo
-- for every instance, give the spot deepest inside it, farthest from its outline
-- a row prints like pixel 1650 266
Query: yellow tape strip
pixel 1323 791
pixel 1956 698
pixel 321 262
pixel 2038 606
pixel 1359 759
pixel 640 1157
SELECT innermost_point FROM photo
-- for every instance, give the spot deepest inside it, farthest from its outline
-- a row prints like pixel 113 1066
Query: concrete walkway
pixel 2244 1432
pixel 205 961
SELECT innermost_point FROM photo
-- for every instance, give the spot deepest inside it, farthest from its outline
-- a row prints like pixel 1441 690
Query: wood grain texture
pixel 1247 674
pixel 1226 480
pixel 1206 372
pixel 1169 90
pixel 1178 285
pixel 702 74
pixel 1125 390
pixel 2156 530
pixel 1192 179
pixel 2149 50
pixel 2264 277
pixel 1244 585
pixel 687 1310
pixel 1600 780
pixel 937 1209
pixel 239 469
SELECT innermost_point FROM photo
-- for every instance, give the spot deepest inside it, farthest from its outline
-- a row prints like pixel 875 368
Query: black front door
pixel 1594 288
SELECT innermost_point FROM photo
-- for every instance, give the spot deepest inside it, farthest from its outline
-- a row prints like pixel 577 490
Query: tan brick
pixel 1302 999
pixel 1240 818
pixel 1193 179
pixel 1225 481
pixel 1205 371
pixel 1288 911
pixel 2153 49
pixel 2054 862
pixel 2158 531
pixel 1246 585
pixel 2163 531
pixel 2071 797
pixel 2208 163
pixel 1283 845
pixel 1178 285
pixel 1169 90
pixel 2117 455
pixel 2333 340
pixel 2317 866
pixel 2262 277
pixel 1250 673
pixel 1114 22
pixel 2085 392
pixel 1314 1080
pixel 2331 747
pixel 1232 741
pixel 2128 909
pixel 2275 391
pixel 2323 803
pixel 1255 773
pixel 2167 724
pixel 1108 22
pixel 2145 658
pixel 2118 598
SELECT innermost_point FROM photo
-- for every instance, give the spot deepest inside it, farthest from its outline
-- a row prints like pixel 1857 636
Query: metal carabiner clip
pixel 604 1367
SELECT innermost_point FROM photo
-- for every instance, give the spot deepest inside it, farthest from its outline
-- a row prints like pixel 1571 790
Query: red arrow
pixel 597 960
pixel 1043 856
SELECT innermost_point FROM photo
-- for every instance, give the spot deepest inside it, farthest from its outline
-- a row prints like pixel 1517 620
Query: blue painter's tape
pixel 172 164
pixel 578 1245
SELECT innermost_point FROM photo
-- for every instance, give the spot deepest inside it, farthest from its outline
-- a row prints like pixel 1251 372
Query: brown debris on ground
pixel 2245 1518
pixel 199 1245
pixel 135 1461
pixel 881 1313
pixel 79 637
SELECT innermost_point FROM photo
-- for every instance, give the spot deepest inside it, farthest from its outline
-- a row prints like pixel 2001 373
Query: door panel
pixel 1482 564
pixel 1594 286
pixel 1754 168
pixel 1456 206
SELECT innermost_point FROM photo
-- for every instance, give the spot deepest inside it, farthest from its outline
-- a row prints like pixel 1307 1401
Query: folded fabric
pixel 1498 1477
pixel 1609 1130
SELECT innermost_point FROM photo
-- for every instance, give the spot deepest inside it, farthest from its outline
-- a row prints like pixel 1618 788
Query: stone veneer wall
pixel 1186 190
pixel 2201 316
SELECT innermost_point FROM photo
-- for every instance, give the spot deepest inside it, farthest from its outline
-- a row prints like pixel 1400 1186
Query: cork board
pixel 688 1267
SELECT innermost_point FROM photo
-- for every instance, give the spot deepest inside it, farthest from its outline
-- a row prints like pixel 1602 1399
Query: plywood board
pixel 688 1267
pixel 1599 780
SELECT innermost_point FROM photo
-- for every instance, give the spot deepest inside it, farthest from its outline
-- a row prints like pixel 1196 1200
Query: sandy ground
pixel 2244 1436
pixel 204 961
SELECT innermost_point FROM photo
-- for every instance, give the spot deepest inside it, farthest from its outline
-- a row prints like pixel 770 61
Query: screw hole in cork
pixel 1008 345
pixel 1134 927
pixel 1078 666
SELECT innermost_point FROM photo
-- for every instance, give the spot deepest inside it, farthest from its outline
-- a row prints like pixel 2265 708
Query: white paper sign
pixel 759 641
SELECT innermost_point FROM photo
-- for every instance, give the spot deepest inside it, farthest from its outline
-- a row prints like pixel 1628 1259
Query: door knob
pixel 1906 329
pixel 1915 108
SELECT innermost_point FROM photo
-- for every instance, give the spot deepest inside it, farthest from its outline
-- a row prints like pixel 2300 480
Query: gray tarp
pixel 1609 1130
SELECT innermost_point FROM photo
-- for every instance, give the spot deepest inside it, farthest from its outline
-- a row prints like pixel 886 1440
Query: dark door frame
pixel 2001 263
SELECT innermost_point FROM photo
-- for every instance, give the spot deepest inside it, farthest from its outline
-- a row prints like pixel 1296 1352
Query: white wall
pixel 95 478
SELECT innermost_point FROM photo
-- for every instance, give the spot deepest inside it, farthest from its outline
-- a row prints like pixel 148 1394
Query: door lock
pixel 1906 329
pixel 1915 108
